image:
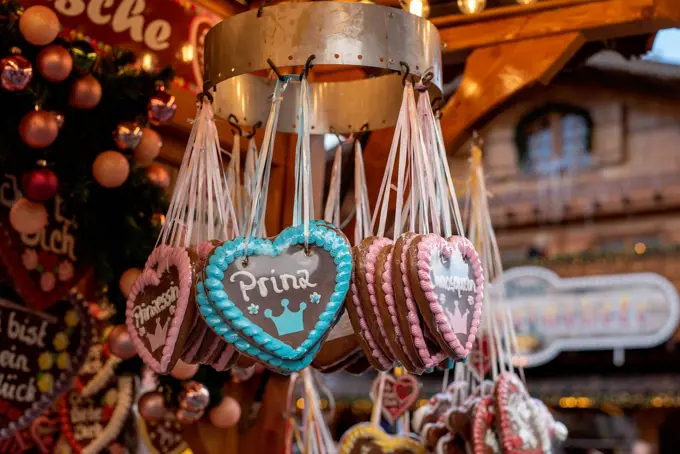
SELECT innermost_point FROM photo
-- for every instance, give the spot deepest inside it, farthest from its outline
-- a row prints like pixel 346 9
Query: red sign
pixel 160 32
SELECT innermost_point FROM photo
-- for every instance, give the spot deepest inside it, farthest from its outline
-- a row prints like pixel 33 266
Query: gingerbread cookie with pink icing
pixel 387 308
pixel 448 288
pixel 484 438
pixel 160 308
pixel 421 349
pixel 518 420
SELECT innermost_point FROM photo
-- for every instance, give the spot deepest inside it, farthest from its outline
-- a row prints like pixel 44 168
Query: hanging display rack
pixel 321 33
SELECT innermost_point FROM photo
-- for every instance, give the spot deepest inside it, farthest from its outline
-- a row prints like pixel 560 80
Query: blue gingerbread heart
pixel 278 296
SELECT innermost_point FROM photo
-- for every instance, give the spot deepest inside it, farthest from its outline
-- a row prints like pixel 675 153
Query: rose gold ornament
pixel 195 396
pixel 15 71
pixel 27 217
pixel 161 107
pixel 39 128
pixel 55 63
pixel 158 175
pixel 39 25
pixel 127 135
pixel 126 280
pixel 110 169
pixel 152 406
pixel 120 343
pixel 184 371
pixel 226 414
pixel 149 147
pixel 86 93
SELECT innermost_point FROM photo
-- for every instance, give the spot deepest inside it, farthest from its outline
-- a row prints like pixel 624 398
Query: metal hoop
pixel 336 33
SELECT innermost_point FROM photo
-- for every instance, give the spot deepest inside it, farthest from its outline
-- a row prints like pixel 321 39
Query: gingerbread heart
pixel 43 266
pixel 450 290
pixel 41 351
pixel 399 394
pixel 160 309
pixel 277 295
pixel 164 436
pixel 484 438
pixel 368 439
pixel 90 424
pixel 432 411
pixel 519 420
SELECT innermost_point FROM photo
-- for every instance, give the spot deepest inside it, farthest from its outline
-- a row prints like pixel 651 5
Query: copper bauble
pixel 15 72
pixel 195 396
pixel 184 371
pixel 149 147
pixel 152 406
pixel 39 128
pixel 39 185
pixel 127 279
pixel 27 217
pixel 226 414
pixel 86 93
pixel 39 25
pixel 158 175
pixel 161 108
pixel 127 135
pixel 55 63
pixel 110 169
pixel 120 343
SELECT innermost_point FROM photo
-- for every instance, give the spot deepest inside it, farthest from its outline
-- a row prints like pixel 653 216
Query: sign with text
pixel 170 31
pixel 617 312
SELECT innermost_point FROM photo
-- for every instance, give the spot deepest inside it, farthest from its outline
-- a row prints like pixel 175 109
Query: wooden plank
pixel 494 74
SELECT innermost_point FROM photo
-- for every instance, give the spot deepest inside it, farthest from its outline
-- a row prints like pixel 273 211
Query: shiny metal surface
pixel 356 34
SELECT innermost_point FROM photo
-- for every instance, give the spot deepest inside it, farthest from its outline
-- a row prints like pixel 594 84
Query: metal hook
pixel 437 106
pixel 261 8
pixel 308 67
pixel 406 71
pixel 233 122
pixel 255 127
pixel 333 131
pixel 364 128
pixel 426 79
pixel 207 85
pixel 276 70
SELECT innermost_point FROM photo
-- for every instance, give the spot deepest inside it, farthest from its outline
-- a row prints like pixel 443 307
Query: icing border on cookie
pixel 164 257
pixel 224 255
pixel 371 261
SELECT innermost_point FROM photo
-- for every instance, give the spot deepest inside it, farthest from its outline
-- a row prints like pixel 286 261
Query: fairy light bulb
pixel 416 7
pixel 471 6
pixel 187 52
pixel 526 2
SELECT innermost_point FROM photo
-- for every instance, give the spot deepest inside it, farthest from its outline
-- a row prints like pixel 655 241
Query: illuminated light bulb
pixel 148 62
pixel 526 2
pixel 187 53
pixel 418 8
pixel 471 6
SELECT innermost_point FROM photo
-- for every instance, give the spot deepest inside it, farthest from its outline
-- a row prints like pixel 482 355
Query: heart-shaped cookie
pixel 41 351
pixel 160 309
pixel 340 345
pixel 399 394
pixel 90 424
pixel 484 438
pixel 432 411
pixel 43 266
pixel 164 436
pixel 367 439
pixel 450 290
pixel 519 420
pixel 278 295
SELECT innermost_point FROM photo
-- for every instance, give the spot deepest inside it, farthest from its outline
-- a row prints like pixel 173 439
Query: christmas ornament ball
pixel 149 147
pixel 27 217
pixel 39 128
pixel 39 185
pixel 86 93
pixel 184 371
pixel 55 63
pixel 226 414
pixel 15 72
pixel 127 135
pixel 39 25
pixel 126 280
pixel 158 175
pixel 110 169
pixel 152 406
pixel 161 107
pixel 120 343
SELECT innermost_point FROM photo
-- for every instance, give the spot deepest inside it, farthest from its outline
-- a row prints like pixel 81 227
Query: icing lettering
pixel 143 314
pixel 10 359
pixel 93 362
pixel 29 335
pixel 455 284
pixel 249 282
pixel 22 392
pixel 127 16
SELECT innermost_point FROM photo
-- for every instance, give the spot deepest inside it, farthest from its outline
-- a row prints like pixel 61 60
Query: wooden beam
pixel 595 19
pixel 494 74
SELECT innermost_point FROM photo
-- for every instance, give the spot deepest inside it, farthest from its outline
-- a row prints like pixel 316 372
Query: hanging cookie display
pixel 399 394
pixel 163 436
pixel 365 438
pixel 46 348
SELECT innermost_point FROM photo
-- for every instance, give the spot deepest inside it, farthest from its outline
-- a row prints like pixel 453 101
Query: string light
pixel 418 8
pixel 526 2
pixel 471 6
pixel 187 52
pixel 148 62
